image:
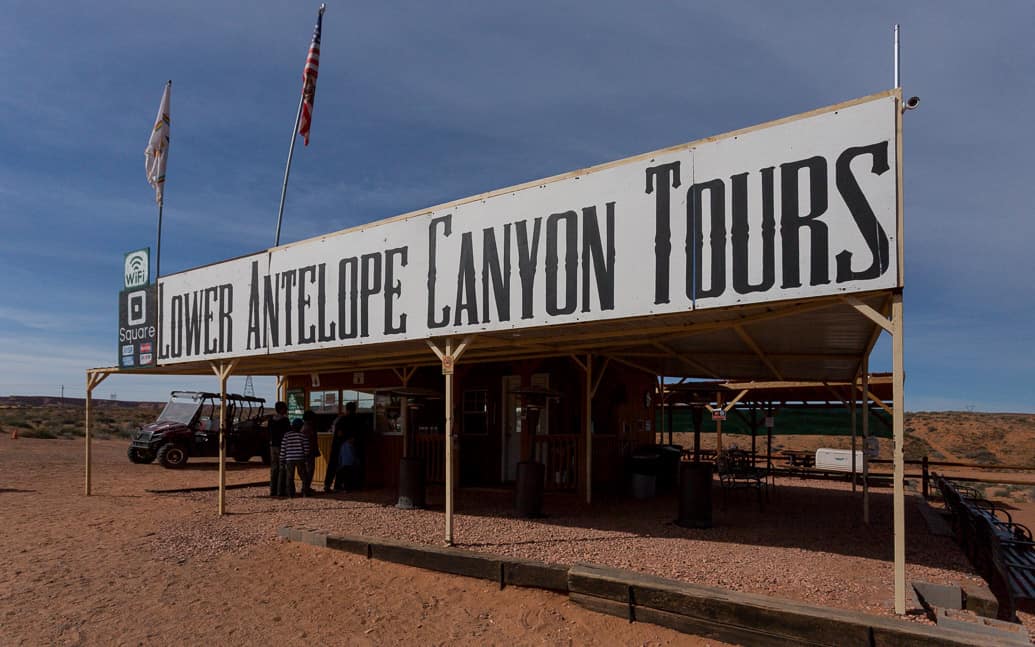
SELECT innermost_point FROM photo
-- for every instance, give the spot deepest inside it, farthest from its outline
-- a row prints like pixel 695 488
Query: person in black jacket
pixel 279 425
pixel 344 427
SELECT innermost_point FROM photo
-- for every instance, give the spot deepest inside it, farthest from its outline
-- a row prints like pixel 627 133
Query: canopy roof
pixel 818 339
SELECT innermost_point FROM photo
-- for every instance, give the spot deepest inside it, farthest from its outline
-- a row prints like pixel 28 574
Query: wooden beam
pixel 867 311
pixel 735 400
pixel 697 366
pixel 746 338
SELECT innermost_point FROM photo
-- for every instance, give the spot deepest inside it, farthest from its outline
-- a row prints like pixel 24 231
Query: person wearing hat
pixel 294 450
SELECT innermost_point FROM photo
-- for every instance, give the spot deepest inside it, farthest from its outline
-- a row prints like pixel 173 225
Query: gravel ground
pixel 808 543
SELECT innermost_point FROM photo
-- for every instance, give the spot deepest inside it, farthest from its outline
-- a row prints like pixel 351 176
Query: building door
pixel 513 421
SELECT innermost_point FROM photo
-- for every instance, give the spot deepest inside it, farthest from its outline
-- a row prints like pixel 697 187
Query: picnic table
pixel 799 459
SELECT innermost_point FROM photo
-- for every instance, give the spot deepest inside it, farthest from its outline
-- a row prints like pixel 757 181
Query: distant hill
pixel 49 417
pixel 989 438
pixel 53 400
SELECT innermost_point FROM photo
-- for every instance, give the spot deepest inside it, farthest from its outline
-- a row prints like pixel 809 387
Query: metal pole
pixel 898 81
pixel 449 446
pixel 158 252
pixel 287 169
pixel 898 418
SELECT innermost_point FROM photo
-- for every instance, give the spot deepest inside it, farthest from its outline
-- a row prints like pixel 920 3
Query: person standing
pixel 344 426
pixel 313 450
pixel 294 449
pixel 279 425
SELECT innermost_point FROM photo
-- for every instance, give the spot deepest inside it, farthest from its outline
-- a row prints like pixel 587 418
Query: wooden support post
pixel 661 400
pixel 448 357
pixel 92 380
pixel 449 441
pixel 222 371
pixel 588 404
pixel 926 476
pixel 282 387
pixel 866 437
pixel 718 424
pixel 851 407
pixel 898 388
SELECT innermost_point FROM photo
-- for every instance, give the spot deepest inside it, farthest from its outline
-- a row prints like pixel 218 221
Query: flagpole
pixel 308 85
pixel 158 252
pixel 287 169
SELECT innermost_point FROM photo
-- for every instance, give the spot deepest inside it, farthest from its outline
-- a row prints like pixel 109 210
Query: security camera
pixel 912 103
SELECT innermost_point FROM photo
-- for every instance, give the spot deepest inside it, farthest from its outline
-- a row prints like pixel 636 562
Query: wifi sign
pixel 136 266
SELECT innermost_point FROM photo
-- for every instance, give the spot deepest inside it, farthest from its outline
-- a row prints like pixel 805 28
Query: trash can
pixel 411 484
pixel 695 495
pixel 668 468
pixel 528 491
pixel 643 465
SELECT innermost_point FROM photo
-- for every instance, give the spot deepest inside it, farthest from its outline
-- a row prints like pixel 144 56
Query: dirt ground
pixel 125 567
pixel 128 566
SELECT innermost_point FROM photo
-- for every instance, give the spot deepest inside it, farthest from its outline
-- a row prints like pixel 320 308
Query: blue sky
pixel 420 103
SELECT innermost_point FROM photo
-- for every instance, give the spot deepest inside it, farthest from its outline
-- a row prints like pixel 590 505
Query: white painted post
pixel 898 417
pixel 447 369
pixel 866 437
pixel 89 457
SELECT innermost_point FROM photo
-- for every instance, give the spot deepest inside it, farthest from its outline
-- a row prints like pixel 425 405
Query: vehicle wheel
pixel 140 456
pixel 265 455
pixel 242 458
pixel 172 456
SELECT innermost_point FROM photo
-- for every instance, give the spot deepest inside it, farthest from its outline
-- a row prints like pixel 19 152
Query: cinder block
pixel 990 630
pixel 979 599
pixel 945 596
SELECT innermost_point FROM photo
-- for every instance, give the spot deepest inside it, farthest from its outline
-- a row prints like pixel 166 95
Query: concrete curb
pixel 743 618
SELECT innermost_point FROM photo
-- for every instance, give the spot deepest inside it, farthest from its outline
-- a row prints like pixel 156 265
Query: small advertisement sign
pixel 137 266
pixel 719 414
pixel 137 327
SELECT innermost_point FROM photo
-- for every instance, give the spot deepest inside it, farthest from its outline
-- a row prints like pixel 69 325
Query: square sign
pixel 138 346
pixel 137 266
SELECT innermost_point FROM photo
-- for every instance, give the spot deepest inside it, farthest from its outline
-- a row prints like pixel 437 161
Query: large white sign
pixel 800 208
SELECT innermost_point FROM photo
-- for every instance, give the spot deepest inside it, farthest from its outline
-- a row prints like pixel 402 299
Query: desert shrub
pixel 982 456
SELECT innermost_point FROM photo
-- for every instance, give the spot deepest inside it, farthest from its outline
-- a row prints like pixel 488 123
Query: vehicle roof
pixel 198 395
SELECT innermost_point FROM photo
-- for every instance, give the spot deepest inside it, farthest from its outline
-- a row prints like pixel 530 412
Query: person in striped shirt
pixel 294 450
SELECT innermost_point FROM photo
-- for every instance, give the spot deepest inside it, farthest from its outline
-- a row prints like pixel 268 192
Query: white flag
pixel 157 150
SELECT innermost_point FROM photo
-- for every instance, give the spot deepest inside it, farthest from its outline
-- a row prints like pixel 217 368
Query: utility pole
pixel 62 395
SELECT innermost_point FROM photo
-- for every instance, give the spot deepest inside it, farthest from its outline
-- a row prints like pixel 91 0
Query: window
pixel 323 401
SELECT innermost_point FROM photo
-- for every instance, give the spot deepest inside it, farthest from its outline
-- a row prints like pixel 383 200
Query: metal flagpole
pixel 158 252
pixel 287 169
pixel 898 83
pixel 308 84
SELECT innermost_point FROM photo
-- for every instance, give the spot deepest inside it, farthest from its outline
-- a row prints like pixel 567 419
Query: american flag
pixel 309 74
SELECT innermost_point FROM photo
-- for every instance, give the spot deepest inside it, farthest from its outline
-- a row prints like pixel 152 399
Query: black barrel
pixel 411 484
pixel 668 470
pixel 695 495
pixel 528 493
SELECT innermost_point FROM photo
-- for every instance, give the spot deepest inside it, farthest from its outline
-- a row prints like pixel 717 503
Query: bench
pixel 736 471
pixel 1000 548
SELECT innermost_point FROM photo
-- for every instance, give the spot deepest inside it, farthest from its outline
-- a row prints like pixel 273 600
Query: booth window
pixel 476 412
pixel 323 401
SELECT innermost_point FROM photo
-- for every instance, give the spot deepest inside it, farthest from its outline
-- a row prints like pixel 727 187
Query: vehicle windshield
pixel 179 411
